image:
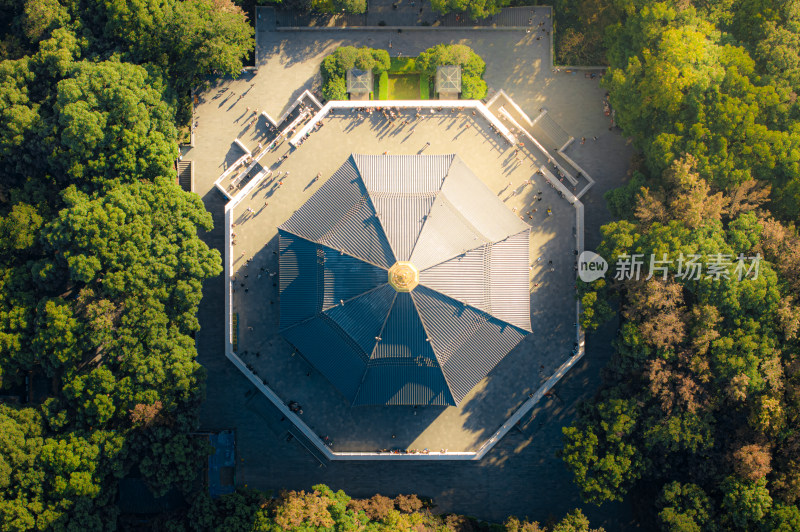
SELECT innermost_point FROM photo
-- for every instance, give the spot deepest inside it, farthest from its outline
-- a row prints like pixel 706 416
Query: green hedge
pixel 336 6
pixel 477 10
pixel 335 89
pixel 472 67
pixel 472 88
pixel 383 86
pixel 334 68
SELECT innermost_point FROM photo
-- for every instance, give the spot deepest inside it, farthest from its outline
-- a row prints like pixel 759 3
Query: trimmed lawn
pixel 404 87
pixel 404 82
pixel 403 65
pixel 383 86
pixel 425 87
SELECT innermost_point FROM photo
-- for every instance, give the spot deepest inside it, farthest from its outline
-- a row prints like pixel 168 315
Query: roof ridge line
pixel 369 355
pixel 345 252
pixel 483 241
pixel 367 197
pixel 480 311
pixel 370 195
pixel 321 312
pixel 422 229
pixel 421 283
pixel 383 327
pixel 349 214
pixel 487 279
pixel 529 229
pixel 461 217
pixel 379 217
pixel 453 157
pixel 456 256
pixel 433 349
pixel 343 334
pixel 473 249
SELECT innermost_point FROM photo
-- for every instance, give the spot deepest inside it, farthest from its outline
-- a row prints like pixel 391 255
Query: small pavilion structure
pixel 359 84
pixel 448 82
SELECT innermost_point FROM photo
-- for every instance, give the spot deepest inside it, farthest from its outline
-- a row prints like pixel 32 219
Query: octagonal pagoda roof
pixel 404 279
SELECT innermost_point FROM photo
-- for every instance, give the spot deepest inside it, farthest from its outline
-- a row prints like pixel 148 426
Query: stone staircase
pixel 186 175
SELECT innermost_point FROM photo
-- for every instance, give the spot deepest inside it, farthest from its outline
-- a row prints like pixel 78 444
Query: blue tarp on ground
pixel 221 463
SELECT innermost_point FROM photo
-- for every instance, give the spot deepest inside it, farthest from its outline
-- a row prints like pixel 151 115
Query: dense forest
pixel 697 420
pixel 101 266
pixel 323 509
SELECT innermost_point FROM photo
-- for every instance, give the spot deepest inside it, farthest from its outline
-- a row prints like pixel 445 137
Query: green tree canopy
pixel 101 266
pixel 473 87
pixel 51 482
pixel 335 66
pixel 104 123
pixel 679 87
pixel 684 507
pixel 117 110
pixel 321 508
pixel 475 9
pixel 189 39
pixel 451 54
pixel 697 389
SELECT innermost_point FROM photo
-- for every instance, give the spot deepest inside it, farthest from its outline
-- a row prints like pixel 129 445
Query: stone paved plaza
pixel 524 463
pixel 462 428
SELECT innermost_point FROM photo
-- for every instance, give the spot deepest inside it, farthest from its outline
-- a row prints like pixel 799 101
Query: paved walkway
pixel 521 476
pixel 400 13
pixel 490 403
pixel 411 14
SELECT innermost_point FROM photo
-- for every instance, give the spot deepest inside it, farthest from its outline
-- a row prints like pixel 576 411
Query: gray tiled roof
pixel 447 233
pixel 403 174
pixel 359 81
pixel 468 343
pixel 431 345
pixel 472 198
pixel 448 78
pixel 363 317
pixel 340 215
pixel 488 278
pixel 402 217
pixel 404 385
pixel 331 350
